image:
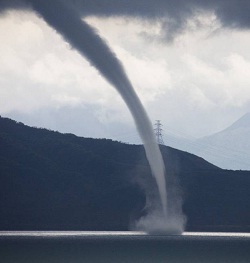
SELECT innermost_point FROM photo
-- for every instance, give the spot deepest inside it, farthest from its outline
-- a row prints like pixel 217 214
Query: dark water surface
pixel 74 247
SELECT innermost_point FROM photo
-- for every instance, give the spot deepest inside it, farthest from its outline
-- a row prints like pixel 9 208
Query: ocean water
pixel 80 246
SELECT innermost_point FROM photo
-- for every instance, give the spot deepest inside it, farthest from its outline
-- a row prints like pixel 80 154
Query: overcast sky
pixel 188 61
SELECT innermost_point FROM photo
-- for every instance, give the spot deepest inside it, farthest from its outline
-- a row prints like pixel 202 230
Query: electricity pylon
pixel 158 132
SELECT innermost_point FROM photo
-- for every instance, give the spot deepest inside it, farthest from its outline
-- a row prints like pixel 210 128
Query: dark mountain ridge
pixel 54 181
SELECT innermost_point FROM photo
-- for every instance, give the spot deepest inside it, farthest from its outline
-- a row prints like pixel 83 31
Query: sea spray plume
pixel 65 20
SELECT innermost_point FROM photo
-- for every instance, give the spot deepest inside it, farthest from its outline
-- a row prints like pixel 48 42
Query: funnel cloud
pixel 82 37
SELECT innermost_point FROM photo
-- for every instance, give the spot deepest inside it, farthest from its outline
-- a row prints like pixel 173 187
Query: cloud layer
pixel 202 75
pixel 173 14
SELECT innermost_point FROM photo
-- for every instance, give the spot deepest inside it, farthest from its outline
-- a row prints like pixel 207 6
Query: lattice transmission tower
pixel 158 132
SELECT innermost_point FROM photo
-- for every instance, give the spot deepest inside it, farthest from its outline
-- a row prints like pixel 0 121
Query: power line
pixel 158 132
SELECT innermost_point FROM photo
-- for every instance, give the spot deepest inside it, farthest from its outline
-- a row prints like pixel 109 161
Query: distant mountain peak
pixel 243 122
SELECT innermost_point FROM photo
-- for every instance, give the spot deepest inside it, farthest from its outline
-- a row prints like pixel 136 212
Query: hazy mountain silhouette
pixel 55 181
pixel 243 122
pixel 228 149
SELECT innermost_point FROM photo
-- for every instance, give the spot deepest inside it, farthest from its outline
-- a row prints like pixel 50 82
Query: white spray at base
pixel 65 20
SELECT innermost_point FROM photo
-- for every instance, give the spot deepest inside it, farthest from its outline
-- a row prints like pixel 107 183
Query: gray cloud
pixel 234 13
pixel 173 15
pixel 12 4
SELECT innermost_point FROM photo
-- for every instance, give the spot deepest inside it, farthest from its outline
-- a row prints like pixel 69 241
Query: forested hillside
pixel 54 181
